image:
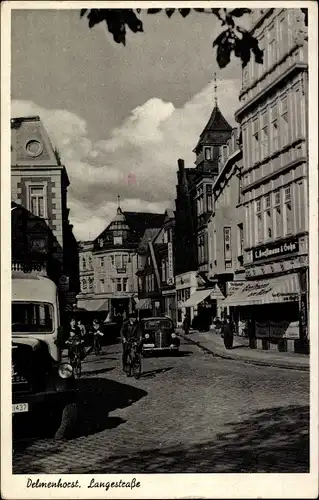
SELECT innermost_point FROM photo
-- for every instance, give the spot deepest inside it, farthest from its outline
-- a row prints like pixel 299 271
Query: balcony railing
pixel 28 267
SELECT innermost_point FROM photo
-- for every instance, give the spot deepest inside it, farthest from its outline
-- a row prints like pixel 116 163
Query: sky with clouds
pixel 120 116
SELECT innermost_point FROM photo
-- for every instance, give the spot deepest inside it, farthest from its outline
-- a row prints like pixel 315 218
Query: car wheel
pixel 68 422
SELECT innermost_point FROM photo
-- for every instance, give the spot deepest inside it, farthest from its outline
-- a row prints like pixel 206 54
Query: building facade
pixel 157 281
pixel 273 120
pixel 226 225
pixel 108 264
pixel 39 185
pixel 194 206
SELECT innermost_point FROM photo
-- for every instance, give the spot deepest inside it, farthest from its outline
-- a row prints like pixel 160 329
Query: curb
pixel 247 361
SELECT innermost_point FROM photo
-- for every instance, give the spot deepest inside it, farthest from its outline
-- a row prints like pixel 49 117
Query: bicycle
pixel 133 362
pixel 75 356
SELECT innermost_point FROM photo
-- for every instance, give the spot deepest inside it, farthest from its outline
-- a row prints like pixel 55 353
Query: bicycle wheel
pixel 77 366
pixel 97 347
pixel 137 366
pixel 128 365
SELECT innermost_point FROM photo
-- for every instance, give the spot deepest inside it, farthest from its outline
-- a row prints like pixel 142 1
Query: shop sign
pixel 170 277
pixel 276 249
pixel 233 286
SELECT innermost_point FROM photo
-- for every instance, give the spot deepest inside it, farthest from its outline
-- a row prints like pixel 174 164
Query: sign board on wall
pixel 276 249
pixel 170 277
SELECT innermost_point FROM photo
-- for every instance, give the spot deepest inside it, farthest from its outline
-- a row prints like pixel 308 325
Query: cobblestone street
pixel 188 413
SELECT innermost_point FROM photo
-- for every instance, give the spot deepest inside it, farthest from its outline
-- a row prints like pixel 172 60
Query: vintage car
pixel 40 382
pixel 158 334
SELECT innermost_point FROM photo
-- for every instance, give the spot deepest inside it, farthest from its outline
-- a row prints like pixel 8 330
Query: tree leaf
pixel 184 12
pixel 223 54
pixel 230 21
pixel 129 17
pixel 83 11
pixel 239 12
pixel 220 38
pixel 153 11
pixel 305 13
pixel 169 12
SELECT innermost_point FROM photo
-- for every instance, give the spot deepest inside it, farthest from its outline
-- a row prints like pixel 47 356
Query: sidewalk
pixel 214 344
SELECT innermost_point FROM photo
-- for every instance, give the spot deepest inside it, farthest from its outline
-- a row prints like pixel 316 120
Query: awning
pixel 95 305
pixel 144 304
pixel 197 297
pixel 280 289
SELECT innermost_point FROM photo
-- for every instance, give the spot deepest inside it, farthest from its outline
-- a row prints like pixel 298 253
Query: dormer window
pixel 100 242
pixel 118 240
pixel 208 153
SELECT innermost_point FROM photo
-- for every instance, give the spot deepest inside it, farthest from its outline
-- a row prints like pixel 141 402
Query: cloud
pixel 139 158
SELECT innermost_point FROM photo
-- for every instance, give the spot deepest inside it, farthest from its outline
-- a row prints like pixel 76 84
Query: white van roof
pixel 30 287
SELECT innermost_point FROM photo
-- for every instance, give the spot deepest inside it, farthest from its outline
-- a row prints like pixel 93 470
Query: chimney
pixel 181 165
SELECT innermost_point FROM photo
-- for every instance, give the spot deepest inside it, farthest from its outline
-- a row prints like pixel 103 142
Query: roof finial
pixel 118 201
pixel 215 90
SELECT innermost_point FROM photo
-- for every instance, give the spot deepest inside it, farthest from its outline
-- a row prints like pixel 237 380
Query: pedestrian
pixel 130 331
pixel 228 333
pixel 186 323
pixel 81 327
pixel 218 325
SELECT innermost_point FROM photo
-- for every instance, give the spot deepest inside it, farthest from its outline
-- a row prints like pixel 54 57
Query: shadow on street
pixel 96 398
pixel 153 373
pixel 270 441
pixel 97 371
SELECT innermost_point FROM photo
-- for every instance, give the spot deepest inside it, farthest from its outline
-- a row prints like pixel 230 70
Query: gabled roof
pixel 149 235
pixel 216 124
pixel 138 222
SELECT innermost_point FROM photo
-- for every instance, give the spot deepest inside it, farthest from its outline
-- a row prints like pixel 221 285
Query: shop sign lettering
pixel 273 250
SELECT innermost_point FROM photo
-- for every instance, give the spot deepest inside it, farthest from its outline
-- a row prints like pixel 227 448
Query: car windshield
pixel 32 317
pixel 154 324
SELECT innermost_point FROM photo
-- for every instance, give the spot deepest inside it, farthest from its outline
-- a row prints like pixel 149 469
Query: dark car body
pixel 158 334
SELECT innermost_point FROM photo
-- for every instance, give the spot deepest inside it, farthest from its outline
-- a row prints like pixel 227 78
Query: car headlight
pixel 173 335
pixel 147 336
pixel 65 370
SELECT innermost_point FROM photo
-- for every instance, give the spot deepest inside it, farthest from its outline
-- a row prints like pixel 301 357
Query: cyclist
pixel 74 335
pixel 97 333
pixel 130 332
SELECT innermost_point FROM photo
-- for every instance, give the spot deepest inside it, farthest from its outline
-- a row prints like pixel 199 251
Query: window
pixel 37 200
pixel 102 286
pixel 259 228
pixel 256 141
pixel 227 243
pixel 125 282
pixel 90 262
pixel 284 126
pixel 118 261
pixel 208 154
pixel 118 284
pixel 32 317
pixel 112 259
pixel 83 264
pixel 274 127
pixel 101 261
pixel 118 240
pixel 267 201
pixel 268 224
pixel 209 198
pixel 288 211
pixel 91 280
pixel 84 284
pixel 101 242
pixel 278 214
pixel 240 239
pixel 264 135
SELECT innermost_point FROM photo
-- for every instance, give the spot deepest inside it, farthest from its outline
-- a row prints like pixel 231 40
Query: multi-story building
pixel 39 185
pixel 108 265
pixel 194 206
pixel 273 119
pixel 157 283
pixel 226 225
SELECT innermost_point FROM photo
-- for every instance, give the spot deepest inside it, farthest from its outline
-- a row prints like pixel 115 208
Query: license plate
pixel 149 345
pixel 20 408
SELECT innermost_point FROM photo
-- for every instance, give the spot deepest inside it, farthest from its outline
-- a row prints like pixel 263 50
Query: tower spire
pixel 118 201
pixel 215 90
